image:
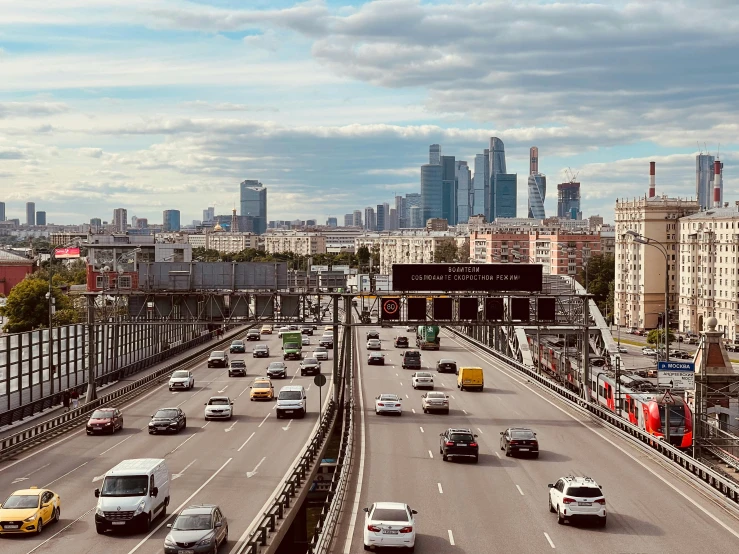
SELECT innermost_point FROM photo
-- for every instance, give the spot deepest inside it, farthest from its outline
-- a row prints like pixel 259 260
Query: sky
pixel 167 104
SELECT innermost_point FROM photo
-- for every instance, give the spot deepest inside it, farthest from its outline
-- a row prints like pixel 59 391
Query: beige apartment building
pixel 414 247
pixel 226 243
pixel 301 243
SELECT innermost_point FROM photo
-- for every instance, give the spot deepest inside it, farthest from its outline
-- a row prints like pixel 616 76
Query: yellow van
pixel 470 378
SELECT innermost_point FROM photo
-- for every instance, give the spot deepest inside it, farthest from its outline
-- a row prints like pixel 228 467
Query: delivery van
pixel 291 401
pixel 470 378
pixel 132 495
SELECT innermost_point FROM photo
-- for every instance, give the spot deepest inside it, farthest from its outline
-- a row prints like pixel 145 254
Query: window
pixel 124 282
pixel 101 281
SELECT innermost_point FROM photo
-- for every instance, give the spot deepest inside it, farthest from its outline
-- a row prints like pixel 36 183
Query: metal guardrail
pixel 51 428
pixel 725 486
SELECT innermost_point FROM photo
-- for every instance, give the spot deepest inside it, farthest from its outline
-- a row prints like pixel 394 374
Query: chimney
pixel 652 191
pixel 717 182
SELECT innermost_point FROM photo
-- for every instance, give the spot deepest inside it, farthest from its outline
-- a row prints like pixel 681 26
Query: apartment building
pixel 223 242
pixel 301 243
pixel 411 247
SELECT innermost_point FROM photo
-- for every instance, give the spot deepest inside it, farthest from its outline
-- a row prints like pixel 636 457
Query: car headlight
pixel 169 541
pixel 109 423
pixel 151 424
pixel 140 507
pixel 205 541
pixel 99 511
pixel 31 518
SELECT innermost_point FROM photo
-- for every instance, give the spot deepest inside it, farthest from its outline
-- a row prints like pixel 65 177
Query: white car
pixel 282 331
pixel 422 380
pixel 577 498
pixel 623 350
pixel 389 524
pixel 181 379
pixel 388 404
pixel 435 402
pixel 374 344
pixel 321 353
pixel 410 329
pixel 646 351
pixel 305 341
pixel 219 407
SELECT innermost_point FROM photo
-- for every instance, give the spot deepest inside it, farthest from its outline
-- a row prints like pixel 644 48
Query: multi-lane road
pixel 210 460
pixel 500 504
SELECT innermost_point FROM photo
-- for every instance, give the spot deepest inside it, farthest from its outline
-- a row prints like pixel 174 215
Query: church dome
pixel 217 227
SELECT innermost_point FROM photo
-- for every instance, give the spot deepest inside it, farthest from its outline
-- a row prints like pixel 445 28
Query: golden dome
pixel 217 227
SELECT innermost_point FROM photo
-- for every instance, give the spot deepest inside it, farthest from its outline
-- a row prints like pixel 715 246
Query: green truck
pixel 292 346
pixel 427 337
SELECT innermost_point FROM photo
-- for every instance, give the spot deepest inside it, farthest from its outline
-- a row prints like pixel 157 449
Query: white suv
pixel 577 497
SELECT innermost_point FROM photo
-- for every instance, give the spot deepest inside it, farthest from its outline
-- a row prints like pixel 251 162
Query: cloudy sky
pixel 159 104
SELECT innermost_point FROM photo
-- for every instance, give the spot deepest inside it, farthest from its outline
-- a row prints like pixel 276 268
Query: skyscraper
pixel 254 204
pixel 533 160
pixel 95 224
pixel 392 224
pixel 380 218
pixel 332 222
pixel 357 218
pixel 209 214
pixel 370 223
pixel 496 155
pixel 416 217
pixel 431 191
pixel 435 154
pixel 537 195
pixel 2 211
pixel 481 184
pixel 704 175
pixel 399 209
pixel 568 200
pixel 506 195
pixel 171 221
pixel 464 191
pixel 30 213
pixel 348 220
pixel 40 218
pixel 448 190
pixel 120 220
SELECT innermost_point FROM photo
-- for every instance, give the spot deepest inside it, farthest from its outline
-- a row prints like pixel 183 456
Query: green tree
pixel 446 251
pixel 363 255
pixel 600 274
pixel 27 307
pixel 463 252
pixel 657 336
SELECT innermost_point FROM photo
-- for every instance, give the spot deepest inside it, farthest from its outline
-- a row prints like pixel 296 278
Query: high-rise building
pixel 2 211
pixel 704 175
pixel 171 221
pixel 505 198
pixel 568 201
pixel 332 222
pixel 120 220
pixel 348 220
pixel 481 184
pixel 416 217
pixel 496 155
pixel 357 218
pixel 537 195
pixel 134 222
pixel 40 218
pixel 392 224
pixel 370 223
pixel 142 223
pixel 533 160
pixel 30 213
pixel 411 199
pixel 95 224
pixel 431 191
pixel 464 191
pixel 254 204
pixel 209 214
pixel 448 190
pixel 435 154
pixel 399 211
pixel 380 217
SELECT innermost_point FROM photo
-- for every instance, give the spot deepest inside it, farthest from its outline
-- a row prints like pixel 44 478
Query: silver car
pixel 388 404
pixel 374 344
pixel 435 402
pixel 320 353
pixel 219 407
pixel 198 529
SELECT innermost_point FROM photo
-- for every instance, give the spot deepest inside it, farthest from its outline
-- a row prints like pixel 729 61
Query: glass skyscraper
pixel 537 195
pixel 505 198
pixel 464 191
pixel 30 213
pixel 171 221
pixel 704 174
pixel 435 154
pixel 431 191
pixel 254 204
pixel 481 184
pixel 448 190
pixel 568 201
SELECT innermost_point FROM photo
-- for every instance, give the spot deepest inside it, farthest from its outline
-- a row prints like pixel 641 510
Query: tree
pixel 657 336
pixel 446 251
pixel 463 252
pixel 600 273
pixel 27 307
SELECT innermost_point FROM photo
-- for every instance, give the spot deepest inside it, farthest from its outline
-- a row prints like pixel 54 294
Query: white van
pixel 133 494
pixel 291 401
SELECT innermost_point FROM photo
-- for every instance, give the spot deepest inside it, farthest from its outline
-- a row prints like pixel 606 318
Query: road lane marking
pixel 179 508
pixel 223 390
pixel 227 429
pixel 243 391
pixel 480 431
pixel 549 540
pixel 35 548
pixel 498 455
pixel 453 397
pixel 265 419
pixel 181 444
pixel 288 425
pixel 401 383
pixel 465 412
pixel 181 473
pixel 116 444
pixel 28 475
pixel 519 490
pixel 451 537
pixel 407 396
pixel 441 491
pixel 46 486
pixel 250 474
pixel 206 424
pixel 421 428
pixel 431 455
pixel 247 440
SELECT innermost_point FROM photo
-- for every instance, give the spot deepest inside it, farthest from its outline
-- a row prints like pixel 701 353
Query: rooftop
pixel 716 213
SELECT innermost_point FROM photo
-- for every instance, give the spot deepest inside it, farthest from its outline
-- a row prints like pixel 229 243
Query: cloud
pixel 11 154
pixel 91 152
pixel 31 109
pixel 227 107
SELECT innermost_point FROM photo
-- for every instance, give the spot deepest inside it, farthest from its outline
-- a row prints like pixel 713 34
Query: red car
pixel 105 420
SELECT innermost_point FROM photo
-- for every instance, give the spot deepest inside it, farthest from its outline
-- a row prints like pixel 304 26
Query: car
pixel 374 344
pixel 167 420
pixel 182 379
pixel 291 399
pixel 422 379
pixel 305 341
pixel 376 358
pixel 646 351
pixel 435 402
pixel 253 334
pixel 261 389
pixel 260 351
pixel 218 358
pixel 237 367
pixel 320 353
pixel 458 443
pixel 277 370
pixel 401 342
pixel 388 404
pixel 282 331
pixel 238 346
pixel 445 365
pixel 28 510
pixel 326 341
pixel 307 330
pixel 623 350
pixel 293 327
pixel 200 528
pixel 105 420
pixel 577 498
pixel 373 335
pixel 411 359
pixel 310 366
pixel 266 330
pixel 389 524
pixel 219 407
pixel 519 440
pixel 410 329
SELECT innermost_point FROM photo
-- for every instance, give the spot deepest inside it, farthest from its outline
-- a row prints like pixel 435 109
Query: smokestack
pixel 652 191
pixel 717 182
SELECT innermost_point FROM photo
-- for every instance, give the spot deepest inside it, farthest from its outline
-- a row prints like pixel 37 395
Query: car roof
pixel 203 509
pixel 572 480
pixel 260 345
pixel 459 430
pixel 391 505
pixel 218 352
pixel 168 408
pixel 436 393
pixel 219 398
pixel 389 394
pixel 28 492
pixel 292 387
pixel 447 360
pixel 376 354
pixel 262 380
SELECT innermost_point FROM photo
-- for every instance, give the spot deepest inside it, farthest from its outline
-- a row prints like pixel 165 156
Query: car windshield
pixel 388 397
pixel 291 345
pixel 240 343
pixel 402 339
pixel 436 395
pixel 217 354
pixel 423 375
pixel 390 514
pixel 290 395
pixel 309 361
pixel 127 485
pixel 179 374
pixel 199 522
pixel 276 365
pixel 165 414
pixel 238 363
pixel 261 385
pixel 461 437
pixel 412 354
pixel 218 402
pixel 584 492
pixel 260 347
pixel 102 414
pixel 522 434
pixel 447 362
pixel 21 502
pixel 320 349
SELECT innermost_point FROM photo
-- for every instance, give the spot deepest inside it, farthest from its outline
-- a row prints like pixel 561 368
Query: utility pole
pixel 50 297
pixel 337 377
pixel 91 349
pixel 586 346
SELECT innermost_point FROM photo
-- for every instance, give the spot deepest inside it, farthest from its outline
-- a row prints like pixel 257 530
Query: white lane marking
pixel 35 548
pixel 309 386
pixel 465 412
pixel 401 383
pixel 180 507
pixel 453 397
pixel 28 475
pixel 431 455
pixel 265 419
pixel 206 424
pixel 549 540
pixel 441 491
pixel 247 440
pixel 407 396
pixel 519 490
pixel 413 410
pixel 181 473
pixel 632 457
pixel 397 375
pixel 46 486
pixel 223 390
pixel 250 474
pixel 288 425
pixel 98 478
pixel 480 431
pixel 181 444
pixel 451 537
pixel 421 428
pixel 227 429
pixel 498 455
pixel 242 392
pixel 116 444
pixel 293 379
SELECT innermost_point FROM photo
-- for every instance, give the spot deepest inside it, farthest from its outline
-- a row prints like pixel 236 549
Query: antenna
pixel 718 152
pixel 698 144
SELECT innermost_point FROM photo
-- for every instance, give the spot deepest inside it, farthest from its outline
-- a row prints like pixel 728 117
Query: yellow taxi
pixel 266 330
pixel 262 389
pixel 28 510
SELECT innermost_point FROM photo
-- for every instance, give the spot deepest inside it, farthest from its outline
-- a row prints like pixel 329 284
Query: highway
pixel 500 504
pixel 209 460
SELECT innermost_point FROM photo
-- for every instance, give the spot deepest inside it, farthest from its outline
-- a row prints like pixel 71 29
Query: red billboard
pixel 65 253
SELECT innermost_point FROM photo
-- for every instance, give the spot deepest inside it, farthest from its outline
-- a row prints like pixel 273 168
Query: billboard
pixel 676 375
pixel 468 277
pixel 318 268
pixel 66 253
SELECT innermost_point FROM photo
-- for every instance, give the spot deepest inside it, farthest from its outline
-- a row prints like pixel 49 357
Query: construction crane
pixel 571 175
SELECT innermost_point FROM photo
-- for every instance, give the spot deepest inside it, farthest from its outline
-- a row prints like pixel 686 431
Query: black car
pixel 519 440
pixel 310 366
pixel 307 330
pixel 446 366
pixel 411 359
pixel 277 370
pixel 237 346
pixel 253 334
pixel 218 358
pixel 327 341
pixel 458 443
pixel 237 367
pixel 376 358
pixel 401 342
pixel 167 420
pixel 373 335
pixel 260 351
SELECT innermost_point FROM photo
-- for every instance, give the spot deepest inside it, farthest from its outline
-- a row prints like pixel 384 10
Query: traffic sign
pixel 391 308
pixel 467 277
pixel 319 380
pixel 676 375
